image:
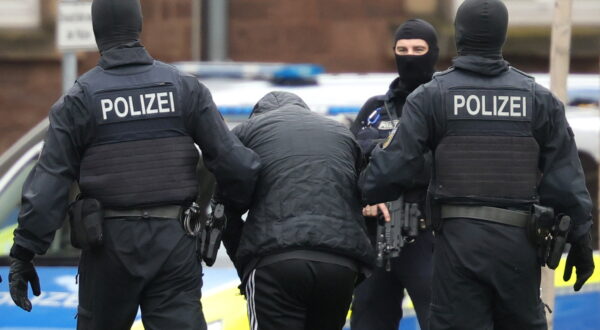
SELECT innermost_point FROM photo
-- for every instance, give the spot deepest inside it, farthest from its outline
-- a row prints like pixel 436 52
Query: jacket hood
pixel 481 65
pixel 480 28
pixel 277 100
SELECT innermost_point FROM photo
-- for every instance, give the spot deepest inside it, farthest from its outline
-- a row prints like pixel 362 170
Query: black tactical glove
pixel 21 273
pixel 367 138
pixel 581 257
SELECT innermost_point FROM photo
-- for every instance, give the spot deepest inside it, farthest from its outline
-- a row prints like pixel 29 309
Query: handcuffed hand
pixel 581 257
pixel 373 210
pixel 21 274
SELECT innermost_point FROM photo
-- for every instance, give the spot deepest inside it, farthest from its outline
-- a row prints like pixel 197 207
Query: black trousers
pixel 377 301
pixel 485 276
pixel 299 295
pixel 145 263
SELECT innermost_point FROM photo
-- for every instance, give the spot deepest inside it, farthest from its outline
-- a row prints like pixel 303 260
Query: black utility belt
pixel 545 229
pixel 487 213
pixel 160 212
pixel 86 217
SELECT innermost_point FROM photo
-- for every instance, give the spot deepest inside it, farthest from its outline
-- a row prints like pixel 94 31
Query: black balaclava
pixel 116 22
pixel 480 28
pixel 415 70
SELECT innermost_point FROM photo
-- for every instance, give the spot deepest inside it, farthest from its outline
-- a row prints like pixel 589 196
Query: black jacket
pixel 306 196
pixel 73 127
pixel 373 125
pixel 392 169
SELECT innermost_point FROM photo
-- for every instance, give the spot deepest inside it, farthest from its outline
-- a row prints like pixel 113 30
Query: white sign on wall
pixel 74 29
pixel 19 14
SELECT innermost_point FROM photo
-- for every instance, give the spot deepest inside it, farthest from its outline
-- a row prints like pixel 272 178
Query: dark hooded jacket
pixel 306 196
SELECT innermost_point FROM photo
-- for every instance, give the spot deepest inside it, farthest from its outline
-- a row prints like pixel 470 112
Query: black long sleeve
pixel 235 167
pixel 396 167
pixel 563 182
pixel 45 192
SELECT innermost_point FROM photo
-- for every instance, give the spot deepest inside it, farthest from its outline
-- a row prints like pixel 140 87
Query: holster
pixel 433 213
pixel 86 218
pixel 549 234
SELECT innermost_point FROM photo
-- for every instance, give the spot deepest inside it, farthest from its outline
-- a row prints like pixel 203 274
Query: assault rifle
pixel 402 228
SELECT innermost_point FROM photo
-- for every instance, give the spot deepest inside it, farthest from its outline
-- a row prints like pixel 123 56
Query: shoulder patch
pixel 390 137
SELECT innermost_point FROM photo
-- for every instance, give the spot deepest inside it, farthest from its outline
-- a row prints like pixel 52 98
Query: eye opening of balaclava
pixel 415 70
pixel 116 22
pixel 480 28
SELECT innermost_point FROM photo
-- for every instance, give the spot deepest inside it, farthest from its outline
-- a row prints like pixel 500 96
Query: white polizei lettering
pixel 501 112
pixel 125 107
pixel 495 108
pixel 172 103
pixel 514 105
pixel 142 104
pixel 149 109
pixel 471 111
pixel 132 108
pixel 162 100
pixel 459 102
pixel 107 106
pixel 524 106
pixel 483 111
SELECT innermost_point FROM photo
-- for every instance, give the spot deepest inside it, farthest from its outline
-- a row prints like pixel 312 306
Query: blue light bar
pixel 342 110
pixel 298 71
pixel 243 110
pixel 248 70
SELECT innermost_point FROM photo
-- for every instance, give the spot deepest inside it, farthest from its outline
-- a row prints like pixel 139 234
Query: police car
pixel 235 89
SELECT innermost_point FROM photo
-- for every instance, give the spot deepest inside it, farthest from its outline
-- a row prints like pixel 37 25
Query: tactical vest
pixel 384 118
pixel 488 154
pixel 141 154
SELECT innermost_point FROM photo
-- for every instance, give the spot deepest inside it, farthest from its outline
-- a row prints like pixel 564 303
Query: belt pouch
pixel 85 218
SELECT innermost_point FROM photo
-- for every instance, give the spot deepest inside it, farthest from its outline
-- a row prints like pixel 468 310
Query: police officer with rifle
pixel 125 132
pixel 404 242
pixel 501 145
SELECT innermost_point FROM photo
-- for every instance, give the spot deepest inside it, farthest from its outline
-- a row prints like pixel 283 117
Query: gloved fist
pixel 367 138
pixel 21 273
pixel 581 257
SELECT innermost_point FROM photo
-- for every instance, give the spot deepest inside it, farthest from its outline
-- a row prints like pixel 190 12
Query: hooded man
pixel 378 300
pixel 304 242
pixel 125 132
pixel 501 144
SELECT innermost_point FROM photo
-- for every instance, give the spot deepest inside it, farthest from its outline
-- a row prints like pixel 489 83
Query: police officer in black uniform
pixel 126 132
pixel 378 300
pixel 501 142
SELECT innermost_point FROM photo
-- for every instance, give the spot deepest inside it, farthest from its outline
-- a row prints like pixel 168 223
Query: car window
pixel 10 204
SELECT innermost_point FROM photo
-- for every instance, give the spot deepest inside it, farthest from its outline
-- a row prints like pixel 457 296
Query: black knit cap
pixel 417 29
pixel 415 70
pixel 480 28
pixel 116 22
